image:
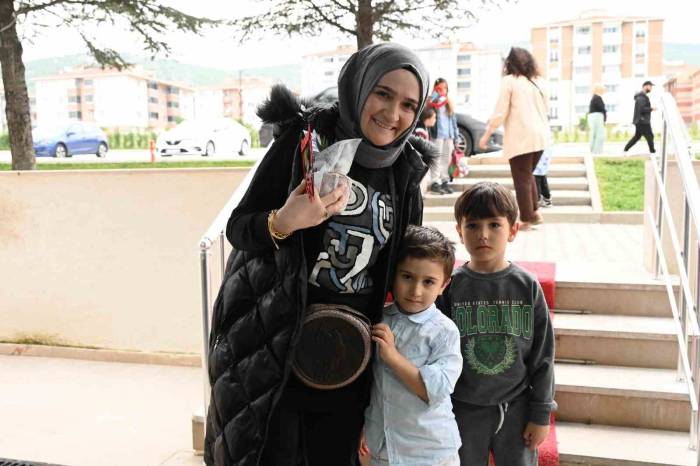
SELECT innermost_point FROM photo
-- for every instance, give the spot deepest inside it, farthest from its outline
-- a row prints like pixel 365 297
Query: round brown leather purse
pixel 334 347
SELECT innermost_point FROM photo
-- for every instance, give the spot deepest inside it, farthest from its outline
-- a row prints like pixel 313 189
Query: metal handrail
pixel 214 232
pixel 685 315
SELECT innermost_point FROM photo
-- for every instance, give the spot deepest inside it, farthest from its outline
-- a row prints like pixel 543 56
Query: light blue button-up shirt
pixel 415 432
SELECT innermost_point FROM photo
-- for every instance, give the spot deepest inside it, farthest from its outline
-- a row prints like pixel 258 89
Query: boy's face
pixel 486 239
pixel 418 283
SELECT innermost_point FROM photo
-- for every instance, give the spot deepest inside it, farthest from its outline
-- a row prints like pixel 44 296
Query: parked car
pixel 204 137
pixel 470 129
pixel 68 139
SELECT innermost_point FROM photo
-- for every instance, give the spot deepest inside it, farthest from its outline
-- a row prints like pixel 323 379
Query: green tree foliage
pixel 366 20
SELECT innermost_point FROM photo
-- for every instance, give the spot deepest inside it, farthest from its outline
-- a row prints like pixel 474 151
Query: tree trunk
pixel 19 122
pixel 364 22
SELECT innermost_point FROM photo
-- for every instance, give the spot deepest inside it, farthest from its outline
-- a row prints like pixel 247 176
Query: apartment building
pixel 129 99
pixel 619 52
pixel 3 115
pixel 235 98
pixel 472 74
pixel 685 88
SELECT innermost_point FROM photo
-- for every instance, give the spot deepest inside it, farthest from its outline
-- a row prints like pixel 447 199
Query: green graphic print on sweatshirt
pixel 506 339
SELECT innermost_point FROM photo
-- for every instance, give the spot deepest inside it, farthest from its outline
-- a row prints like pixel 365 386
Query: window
pixel 173 105
pixel 173 90
pixel 553 97
pixel 611 87
pixel 641 34
pixel 584 50
pixel 553 113
pixel 464 58
pixel 554 55
pixel 171 119
pixel 464 72
pixel 328 60
pixel 464 85
pixel 153 115
pixel 78 115
pixel 328 73
pixel 88 82
pixel 152 85
pixel 153 100
pixel 89 98
pixel 611 108
pixel 583 89
pixel 553 41
pixel 610 30
pixel 74 99
pixel 581 109
pixel 640 55
pixel 610 48
pixel 582 69
pixel 611 69
pixel 583 30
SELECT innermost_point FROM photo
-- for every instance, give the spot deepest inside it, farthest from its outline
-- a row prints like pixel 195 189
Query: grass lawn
pixel 621 183
pixel 128 165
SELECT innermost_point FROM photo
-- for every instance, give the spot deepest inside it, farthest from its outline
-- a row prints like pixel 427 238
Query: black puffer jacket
pixel 642 109
pixel 260 306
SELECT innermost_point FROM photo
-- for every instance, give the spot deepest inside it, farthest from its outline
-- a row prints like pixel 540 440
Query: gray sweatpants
pixel 493 427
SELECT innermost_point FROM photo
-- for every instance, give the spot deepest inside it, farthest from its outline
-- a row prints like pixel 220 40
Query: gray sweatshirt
pixel 506 339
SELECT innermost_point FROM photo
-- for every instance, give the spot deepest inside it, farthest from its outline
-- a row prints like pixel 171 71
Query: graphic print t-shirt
pixel 506 340
pixel 350 242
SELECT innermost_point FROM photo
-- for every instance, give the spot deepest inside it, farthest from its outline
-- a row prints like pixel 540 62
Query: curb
pixel 102 355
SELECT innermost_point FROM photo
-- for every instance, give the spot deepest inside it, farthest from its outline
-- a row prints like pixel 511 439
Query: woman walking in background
pixel 596 119
pixel 522 110
pixel 444 135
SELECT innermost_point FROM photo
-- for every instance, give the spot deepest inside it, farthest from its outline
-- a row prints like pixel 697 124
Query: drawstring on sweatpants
pixel 503 409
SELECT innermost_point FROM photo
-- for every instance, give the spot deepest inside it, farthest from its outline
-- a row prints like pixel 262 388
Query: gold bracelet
pixel 274 234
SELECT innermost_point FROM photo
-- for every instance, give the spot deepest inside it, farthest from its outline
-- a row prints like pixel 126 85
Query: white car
pixel 205 137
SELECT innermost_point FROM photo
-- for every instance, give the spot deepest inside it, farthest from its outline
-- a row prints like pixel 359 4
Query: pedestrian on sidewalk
pixel 597 117
pixel 504 397
pixel 308 272
pixel 409 419
pixel 522 110
pixel 642 118
pixel 444 135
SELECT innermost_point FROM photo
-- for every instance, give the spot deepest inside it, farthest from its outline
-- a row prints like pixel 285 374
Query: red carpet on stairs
pixel 545 273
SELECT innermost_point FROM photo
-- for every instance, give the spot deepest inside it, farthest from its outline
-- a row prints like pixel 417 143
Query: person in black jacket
pixel 642 118
pixel 291 251
pixel 596 119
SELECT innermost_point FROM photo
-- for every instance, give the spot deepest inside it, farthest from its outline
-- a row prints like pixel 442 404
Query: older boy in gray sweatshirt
pixel 505 394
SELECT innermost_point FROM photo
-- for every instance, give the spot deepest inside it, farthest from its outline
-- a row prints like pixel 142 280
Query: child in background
pixel 505 394
pixel 426 121
pixel 540 174
pixel 445 133
pixel 409 420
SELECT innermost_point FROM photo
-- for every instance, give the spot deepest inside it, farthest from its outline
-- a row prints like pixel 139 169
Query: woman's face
pixel 390 108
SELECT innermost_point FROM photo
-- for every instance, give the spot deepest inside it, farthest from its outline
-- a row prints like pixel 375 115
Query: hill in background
pixel 169 70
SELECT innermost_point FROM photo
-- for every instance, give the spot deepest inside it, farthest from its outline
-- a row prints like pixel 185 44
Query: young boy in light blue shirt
pixel 409 420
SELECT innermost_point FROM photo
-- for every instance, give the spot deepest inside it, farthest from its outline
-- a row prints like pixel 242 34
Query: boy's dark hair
pixel 427 112
pixel 428 243
pixel 485 200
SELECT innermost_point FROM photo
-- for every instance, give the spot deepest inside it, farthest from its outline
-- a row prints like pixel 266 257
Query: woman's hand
pixel 300 212
pixel 484 141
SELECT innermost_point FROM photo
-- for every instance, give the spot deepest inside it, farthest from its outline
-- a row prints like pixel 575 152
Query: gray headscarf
pixel 359 75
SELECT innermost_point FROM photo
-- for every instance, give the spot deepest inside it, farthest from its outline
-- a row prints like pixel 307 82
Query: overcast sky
pixel 510 24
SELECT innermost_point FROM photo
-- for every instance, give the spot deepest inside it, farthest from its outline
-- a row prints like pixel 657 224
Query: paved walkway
pixel 85 413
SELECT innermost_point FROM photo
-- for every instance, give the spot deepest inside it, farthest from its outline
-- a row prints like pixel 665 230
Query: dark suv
pixel 470 129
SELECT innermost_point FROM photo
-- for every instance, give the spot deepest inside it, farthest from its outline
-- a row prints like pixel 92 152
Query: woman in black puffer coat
pixel 260 412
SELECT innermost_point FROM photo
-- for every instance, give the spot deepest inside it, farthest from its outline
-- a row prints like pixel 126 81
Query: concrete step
pixel 497 158
pixel 559 170
pixel 567 184
pixel 622 396
pixel 581 444
pixel 640 298
pixel 616 340
pixel 559 198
